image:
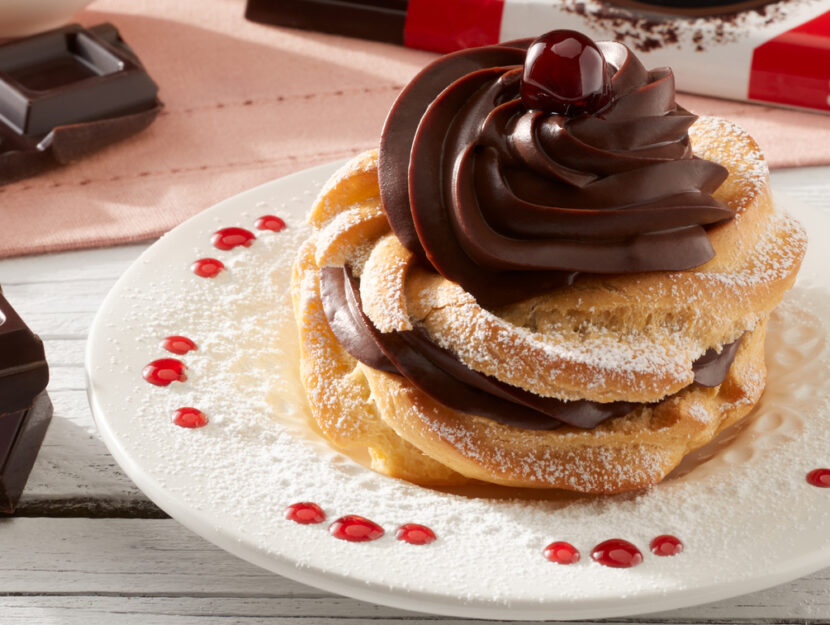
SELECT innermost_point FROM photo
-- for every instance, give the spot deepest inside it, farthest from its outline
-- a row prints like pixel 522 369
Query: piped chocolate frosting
pixel 510 201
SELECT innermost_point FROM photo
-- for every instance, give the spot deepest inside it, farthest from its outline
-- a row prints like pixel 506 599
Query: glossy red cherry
pixel 305 513
pixel 819 477
pixel 207 267
pixel 666 545
pixel 189 417
pixel 178 344
pixel 415 534
pixel 565 73
pixel 164 371
pixel 617 553
pixel 561 553
pixel 270 222
pixel 356 529
pixel 229 238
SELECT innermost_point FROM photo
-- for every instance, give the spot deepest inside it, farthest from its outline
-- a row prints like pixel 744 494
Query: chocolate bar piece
pixel 23 369
pixel 25 409
pixel 381 20
pixel 68 92
pixel 21 435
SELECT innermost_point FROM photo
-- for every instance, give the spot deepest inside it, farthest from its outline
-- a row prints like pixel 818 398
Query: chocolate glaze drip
pixel 510 202
pixel 441 375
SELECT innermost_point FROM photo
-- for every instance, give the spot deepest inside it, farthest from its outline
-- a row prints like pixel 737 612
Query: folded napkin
pixel 247 103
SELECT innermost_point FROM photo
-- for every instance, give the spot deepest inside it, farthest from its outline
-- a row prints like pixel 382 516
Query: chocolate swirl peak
pixel 509 200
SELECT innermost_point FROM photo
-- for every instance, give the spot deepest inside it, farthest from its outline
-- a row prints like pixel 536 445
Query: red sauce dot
pixel 617 553
pixel 270 222
pixel 666 545
pixel 562 553
pixel 819 477
pixel 415 534
pixel 207 267
pixel 190 418
pixel 164 371
pixel 178 345
pixel 229 238
pixel 305 512
pixel 356 529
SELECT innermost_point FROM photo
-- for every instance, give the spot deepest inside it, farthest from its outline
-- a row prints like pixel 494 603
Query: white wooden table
pixel 86 547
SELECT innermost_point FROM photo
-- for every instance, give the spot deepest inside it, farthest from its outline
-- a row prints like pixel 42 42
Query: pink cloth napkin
pixel 247 103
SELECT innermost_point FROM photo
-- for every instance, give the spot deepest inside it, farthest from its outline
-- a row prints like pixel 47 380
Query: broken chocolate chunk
pixel 68 92
pixel 21 435
pixel 23 369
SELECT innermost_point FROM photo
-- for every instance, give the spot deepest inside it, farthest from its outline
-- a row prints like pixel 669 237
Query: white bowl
pixel 26 17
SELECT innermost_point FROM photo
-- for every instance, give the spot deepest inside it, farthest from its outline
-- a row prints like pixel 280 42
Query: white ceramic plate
pixel 746 515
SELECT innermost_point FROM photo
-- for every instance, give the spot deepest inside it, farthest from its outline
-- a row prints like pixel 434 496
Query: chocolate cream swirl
pixel 510 202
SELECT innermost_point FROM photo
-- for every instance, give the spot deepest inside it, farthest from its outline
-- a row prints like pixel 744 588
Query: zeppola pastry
pixel 548 275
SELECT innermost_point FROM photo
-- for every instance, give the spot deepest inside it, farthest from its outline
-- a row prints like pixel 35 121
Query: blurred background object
pixel 771 51
pixel 25 17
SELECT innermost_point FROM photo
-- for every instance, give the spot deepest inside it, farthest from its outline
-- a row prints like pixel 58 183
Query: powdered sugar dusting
pixel 258 454
pixel 726 142
pixel 770 261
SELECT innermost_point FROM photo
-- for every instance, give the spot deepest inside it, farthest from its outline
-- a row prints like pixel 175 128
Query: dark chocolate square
pixel 23 369
pixel 69 76
pixel 21 435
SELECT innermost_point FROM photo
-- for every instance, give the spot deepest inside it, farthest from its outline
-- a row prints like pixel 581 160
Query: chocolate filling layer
pixel 441 375
pixel 510 202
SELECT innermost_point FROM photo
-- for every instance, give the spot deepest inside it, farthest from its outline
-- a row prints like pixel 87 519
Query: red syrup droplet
pixel 190 418
pixel 178 345
pixel 617 553
pixel 164 371
pixel 207 267
pixel 666 545
pixel 356 529
pixel 270 222
pixel 819 477
pixel 562 553
pixel 305 512
pixel 415 534
pixel 229 238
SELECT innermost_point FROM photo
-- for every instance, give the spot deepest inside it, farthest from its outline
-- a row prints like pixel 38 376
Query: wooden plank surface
pixel 88 547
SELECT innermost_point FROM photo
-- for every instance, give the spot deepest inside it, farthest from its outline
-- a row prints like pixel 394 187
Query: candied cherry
pixel 565 73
